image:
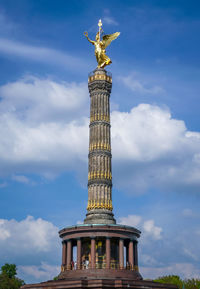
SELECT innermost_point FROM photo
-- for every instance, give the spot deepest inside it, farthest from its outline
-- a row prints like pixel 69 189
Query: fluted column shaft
pixel 99 158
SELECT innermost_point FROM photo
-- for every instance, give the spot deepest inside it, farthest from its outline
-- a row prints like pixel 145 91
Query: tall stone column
pixel 121 253
pixel 130 254
pixel 108 253
pixel 135 256
pixel 93 253
pixel 78 254
pixel 99 209
pixel 69 254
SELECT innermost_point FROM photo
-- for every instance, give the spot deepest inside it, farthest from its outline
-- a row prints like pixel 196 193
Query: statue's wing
pixel 107 39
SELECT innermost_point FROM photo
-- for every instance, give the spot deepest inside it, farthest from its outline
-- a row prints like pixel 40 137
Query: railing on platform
pixel 99 265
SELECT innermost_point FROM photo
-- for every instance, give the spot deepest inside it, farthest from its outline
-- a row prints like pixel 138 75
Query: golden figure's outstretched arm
pixel 86 35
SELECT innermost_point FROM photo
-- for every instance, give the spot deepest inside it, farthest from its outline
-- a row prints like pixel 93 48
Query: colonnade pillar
pixel 130 254
pixel 64 255
pixel 79 253
pixel 135 256
pixel 121 253
pixel 93 253
pixel 108 253
pixel 69 254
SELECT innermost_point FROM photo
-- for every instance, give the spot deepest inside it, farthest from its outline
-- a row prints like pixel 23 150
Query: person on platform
pixel 87 264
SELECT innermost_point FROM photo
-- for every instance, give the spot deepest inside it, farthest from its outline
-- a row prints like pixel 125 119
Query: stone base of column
pixel 95 282
pixel 99 216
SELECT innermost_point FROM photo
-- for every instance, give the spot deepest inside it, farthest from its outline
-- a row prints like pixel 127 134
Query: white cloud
pixel 40 126
pixel 145 133
pixel 185 270
pixel 33 244
pixel 41 54
pixel 141 86
pixel 109 20
pixel 21 179
pixel 4 233
pixel 163 252
pixel 153 230
pixel 44 130
pixel 189 253
pixel 30 235
pixel 41 272
pixel 130 220
pixel 148 227
pixel 30 52
pixel 79 222
pixel 154 150
pixel 41 100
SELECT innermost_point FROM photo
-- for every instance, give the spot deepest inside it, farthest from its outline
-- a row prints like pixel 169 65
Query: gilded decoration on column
pixel 99 208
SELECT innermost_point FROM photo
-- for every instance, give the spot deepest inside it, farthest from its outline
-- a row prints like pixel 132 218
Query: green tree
pixel 9 269
pixel 171 279
pixel 182 284
pixel 192 284
pixel 8 279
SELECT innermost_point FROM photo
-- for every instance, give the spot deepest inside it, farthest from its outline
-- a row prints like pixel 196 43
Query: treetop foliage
pixel 181 284
pixel 8 279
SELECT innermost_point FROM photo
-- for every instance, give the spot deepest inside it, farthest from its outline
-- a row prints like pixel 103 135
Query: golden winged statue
pixel 100 46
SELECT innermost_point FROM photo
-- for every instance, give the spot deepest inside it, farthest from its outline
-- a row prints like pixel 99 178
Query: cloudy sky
pixel 44 109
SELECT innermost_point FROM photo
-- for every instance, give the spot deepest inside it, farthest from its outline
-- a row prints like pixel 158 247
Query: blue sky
pixel 44 109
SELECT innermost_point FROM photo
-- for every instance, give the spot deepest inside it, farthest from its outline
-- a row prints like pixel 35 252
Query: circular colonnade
pixel 88 248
